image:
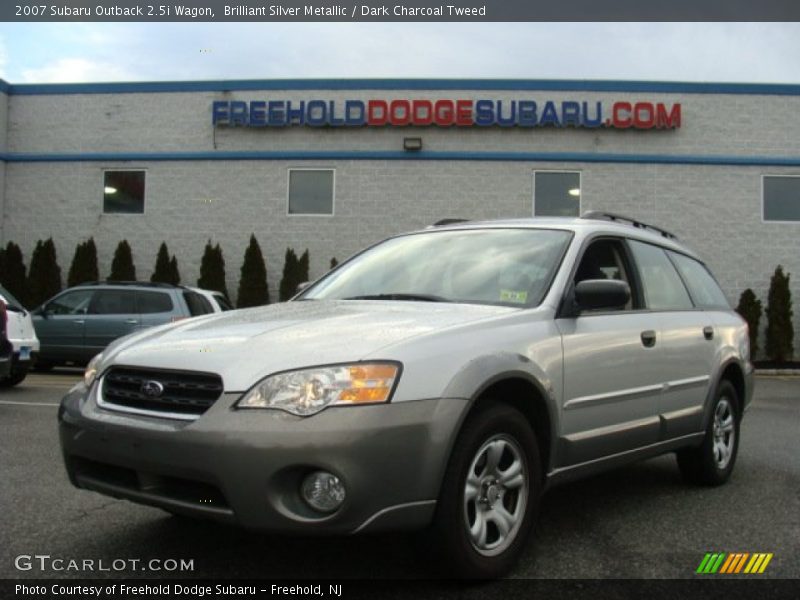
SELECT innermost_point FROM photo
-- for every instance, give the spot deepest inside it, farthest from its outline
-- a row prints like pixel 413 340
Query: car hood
pixel 244 346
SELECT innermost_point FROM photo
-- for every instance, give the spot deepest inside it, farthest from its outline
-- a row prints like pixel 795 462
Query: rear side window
pixel 197 304
pixel 223 302
pixel 154 302
pixel 663 287
pixel 704 289
pixel 113 302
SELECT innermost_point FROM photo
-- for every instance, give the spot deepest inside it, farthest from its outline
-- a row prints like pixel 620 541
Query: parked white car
pixel 216 299
pixel 22 336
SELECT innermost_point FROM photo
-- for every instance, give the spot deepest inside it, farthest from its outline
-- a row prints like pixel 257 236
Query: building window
pixel 123 192
pixel 556 194
pixel 781 198
pixel 311 191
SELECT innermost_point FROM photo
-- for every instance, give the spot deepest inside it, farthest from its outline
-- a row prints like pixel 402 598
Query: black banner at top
pixel 397 10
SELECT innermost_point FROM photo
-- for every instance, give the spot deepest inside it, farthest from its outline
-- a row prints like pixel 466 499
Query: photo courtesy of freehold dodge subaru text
pixel 440 381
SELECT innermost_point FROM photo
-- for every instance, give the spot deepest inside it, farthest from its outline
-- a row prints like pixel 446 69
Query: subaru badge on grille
pixel 152 389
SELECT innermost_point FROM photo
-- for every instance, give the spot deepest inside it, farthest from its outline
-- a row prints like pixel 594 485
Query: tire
pixel 711 463
pixel 480 528
pixel 17 376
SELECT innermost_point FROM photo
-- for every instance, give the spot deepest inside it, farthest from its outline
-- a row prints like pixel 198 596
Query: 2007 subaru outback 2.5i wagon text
pixel 438 380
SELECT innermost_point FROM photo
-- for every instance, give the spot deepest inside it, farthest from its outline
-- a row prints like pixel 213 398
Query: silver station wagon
pixel 440 380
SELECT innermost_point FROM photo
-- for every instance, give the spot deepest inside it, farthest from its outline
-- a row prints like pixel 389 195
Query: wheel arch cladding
pixel 732 372
pixel 525 396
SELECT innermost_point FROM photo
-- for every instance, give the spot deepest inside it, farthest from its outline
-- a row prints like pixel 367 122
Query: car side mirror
pixel 593 294
pixel 42 312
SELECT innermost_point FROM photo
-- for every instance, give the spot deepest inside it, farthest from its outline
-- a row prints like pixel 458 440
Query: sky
pixel 93 52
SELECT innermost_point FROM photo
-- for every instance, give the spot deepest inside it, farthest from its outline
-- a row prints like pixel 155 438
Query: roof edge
pixel 565 85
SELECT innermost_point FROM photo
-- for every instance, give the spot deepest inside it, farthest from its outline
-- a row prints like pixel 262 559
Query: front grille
pixel 184 392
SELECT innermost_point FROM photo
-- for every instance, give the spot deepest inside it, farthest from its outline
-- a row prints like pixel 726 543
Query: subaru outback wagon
pixel 440 380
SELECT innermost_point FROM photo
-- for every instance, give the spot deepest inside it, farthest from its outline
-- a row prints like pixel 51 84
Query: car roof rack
pixel 449 221
pixel 607 216
pixel 139 283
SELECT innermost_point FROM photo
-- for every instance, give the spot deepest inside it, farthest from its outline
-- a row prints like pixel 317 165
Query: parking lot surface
pixel 640 521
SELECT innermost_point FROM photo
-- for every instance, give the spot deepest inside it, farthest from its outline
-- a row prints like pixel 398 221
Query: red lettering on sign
pixel 464 113
pixel 668 121
pixel 400 112
pixel 377 112
pixel 617 118
pixel 422 112
pixel 443 113
pixel 644 115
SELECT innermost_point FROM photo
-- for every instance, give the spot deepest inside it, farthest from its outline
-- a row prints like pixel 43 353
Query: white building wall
pixel 715 209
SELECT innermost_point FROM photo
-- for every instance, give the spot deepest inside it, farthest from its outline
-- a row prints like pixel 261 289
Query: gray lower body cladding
pixel 246 466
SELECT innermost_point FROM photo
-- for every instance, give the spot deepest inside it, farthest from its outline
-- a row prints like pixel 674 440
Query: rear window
pixel 154 302
pixel 197 304
pixel 704 289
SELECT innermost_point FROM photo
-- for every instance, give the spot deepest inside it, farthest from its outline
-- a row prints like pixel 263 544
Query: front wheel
pixel 490 495
pixel 712 462
pixel 17 376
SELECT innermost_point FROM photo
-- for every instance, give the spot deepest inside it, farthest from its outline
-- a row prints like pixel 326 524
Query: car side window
pixel 702 285
pixel 71 303
pixel 605 259
pixel 113 302
pixel 663 287
pixel 153 302
pixel 223 302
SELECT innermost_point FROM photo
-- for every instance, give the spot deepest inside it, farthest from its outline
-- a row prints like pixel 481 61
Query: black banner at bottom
pixel 572 589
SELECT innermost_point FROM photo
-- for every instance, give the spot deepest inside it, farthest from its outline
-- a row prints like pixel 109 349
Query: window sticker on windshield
pixel 513 296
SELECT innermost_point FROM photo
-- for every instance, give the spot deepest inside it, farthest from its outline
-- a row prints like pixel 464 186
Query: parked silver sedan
pixel 440 380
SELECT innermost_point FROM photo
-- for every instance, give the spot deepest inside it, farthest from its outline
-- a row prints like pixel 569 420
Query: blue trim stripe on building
pixel 567 85
pixel 585 157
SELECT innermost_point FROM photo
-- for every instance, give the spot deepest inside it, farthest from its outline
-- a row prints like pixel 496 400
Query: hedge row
pixel 779 335
pixel 43 280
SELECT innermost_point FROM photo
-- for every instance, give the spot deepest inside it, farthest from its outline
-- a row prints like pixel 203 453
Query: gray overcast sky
pixel 748 52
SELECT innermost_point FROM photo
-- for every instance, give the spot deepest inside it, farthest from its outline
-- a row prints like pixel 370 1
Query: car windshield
pixel 511 267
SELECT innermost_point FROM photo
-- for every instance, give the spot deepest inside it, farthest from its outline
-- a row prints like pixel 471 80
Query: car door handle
pixel 708 332
pixel 79 321
pixel 649 338
pixel 131 321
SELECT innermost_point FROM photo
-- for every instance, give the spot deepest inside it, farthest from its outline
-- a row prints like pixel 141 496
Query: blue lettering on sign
pixel 509 121
pixel 484 113
pixel 276 114
pixel 258 114
pixel 549 115
pixel 597 121
pixel 570 114
pixel 317 114
pixel 355 113
pixel 442 112
pixel 527 113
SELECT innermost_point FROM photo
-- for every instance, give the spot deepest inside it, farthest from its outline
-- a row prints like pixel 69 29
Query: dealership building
pixel 335 165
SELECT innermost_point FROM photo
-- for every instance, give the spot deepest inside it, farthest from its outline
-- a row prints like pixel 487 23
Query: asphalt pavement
pixel 641 521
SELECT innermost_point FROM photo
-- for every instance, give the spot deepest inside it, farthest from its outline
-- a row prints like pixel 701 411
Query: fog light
pixel 323 491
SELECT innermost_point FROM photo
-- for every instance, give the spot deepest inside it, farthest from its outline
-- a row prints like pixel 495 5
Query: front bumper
pixel 246 467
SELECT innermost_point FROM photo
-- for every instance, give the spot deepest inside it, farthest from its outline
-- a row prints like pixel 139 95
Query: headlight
pixel 308 391
pixel 90 374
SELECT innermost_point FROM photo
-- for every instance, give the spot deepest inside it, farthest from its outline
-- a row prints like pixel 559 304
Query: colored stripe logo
pixel 734 562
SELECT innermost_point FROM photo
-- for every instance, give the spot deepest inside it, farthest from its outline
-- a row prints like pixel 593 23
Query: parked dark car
pixel 6 349
pixel 81 321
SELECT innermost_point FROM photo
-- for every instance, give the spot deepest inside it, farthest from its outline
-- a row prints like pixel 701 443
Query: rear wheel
pixel 712 462
pixel 17 375
pixel 490 495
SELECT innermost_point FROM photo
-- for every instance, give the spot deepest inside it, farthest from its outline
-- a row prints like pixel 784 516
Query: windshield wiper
pixel 412 297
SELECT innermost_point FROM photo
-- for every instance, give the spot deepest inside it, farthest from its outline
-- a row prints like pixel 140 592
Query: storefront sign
pixel 446 113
